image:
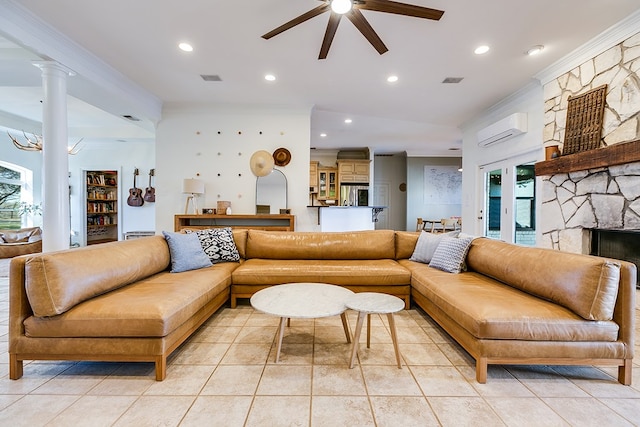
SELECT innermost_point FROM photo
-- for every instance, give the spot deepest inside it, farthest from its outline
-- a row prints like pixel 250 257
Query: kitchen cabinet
pixel 327 184
pixel 353 171
pixel 313 177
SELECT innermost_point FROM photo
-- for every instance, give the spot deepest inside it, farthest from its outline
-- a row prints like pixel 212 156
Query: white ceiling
pixel 418 114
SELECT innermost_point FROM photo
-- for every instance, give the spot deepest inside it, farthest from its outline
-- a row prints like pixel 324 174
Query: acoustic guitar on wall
pixel 150 192
pixel 135 194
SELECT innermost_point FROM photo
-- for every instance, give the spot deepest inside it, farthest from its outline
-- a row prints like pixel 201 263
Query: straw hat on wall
pixel 261 163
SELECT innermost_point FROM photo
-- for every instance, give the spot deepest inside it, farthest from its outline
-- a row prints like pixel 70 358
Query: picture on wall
pixel 442 185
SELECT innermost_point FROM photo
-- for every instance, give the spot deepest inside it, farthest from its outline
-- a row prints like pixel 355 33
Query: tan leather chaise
pixel 530 306
pixel 20 242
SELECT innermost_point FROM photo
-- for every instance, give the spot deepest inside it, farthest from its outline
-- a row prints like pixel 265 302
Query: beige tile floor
pixel 225 375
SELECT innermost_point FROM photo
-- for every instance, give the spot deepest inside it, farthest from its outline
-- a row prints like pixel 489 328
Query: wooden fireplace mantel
pixel 617 154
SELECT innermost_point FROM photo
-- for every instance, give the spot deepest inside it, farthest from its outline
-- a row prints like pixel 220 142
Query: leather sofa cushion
pixel 23 235
pixel 584 284
pixel 337 272
pixel 356 245
pixel 152 307
pixel 406 243
pixel 57 281
pixel 488 309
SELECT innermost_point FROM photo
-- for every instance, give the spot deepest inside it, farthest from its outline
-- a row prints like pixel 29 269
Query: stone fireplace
pixel 585 195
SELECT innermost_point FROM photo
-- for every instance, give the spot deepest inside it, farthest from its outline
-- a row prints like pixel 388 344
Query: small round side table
pixel 367 303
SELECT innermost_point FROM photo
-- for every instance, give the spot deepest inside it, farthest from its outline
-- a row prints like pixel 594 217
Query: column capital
pixel 53 65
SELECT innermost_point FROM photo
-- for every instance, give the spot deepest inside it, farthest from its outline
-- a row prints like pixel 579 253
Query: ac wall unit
pixel 506 128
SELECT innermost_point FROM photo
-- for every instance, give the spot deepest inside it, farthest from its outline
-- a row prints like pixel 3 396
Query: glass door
pixel 508 205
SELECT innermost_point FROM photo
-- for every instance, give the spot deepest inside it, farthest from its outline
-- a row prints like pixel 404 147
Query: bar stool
pixel 367 303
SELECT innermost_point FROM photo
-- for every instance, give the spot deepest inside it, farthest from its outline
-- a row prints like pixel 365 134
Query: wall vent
pixel 453 80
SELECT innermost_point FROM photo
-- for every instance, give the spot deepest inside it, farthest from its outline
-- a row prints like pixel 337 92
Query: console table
pixel 276 222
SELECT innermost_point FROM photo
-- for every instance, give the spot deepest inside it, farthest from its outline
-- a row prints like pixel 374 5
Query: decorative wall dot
pixel 239 174
pixel 219 153
pixel 218 196
pixel 218 174
pixel 239 154
pixel 198 132
pixel 239 196
pixel 260 132
pixel 239 132
pixel 219 133
pixel 281 133
pixel 198 154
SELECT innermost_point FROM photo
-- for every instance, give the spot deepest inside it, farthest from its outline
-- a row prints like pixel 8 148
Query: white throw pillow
pixel 427 244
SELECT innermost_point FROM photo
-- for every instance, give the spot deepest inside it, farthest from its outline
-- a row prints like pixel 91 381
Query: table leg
pixel 345 325
pixel 394 337
pixel 356 339
pixel 283 321
pixel 368 330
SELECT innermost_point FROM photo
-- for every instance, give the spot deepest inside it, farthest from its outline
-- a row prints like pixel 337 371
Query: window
pixel 15 193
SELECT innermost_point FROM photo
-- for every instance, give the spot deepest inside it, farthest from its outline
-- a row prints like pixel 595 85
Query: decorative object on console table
pixel 585 113
pixel 192 187
pixel 101 202
pixel 135 193
pixel 222 207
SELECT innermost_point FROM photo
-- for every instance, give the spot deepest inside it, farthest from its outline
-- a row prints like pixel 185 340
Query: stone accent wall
pixel 607 198
pixel 619 68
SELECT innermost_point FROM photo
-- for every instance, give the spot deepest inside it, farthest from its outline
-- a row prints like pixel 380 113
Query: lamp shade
pixel 193 186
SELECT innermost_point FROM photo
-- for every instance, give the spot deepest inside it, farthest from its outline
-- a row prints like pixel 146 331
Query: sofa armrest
pixel 624 312
pixel 19 308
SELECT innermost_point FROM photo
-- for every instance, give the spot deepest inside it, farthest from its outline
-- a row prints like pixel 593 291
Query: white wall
pixel 529 100
pixel 389 172
pixel 416 206
pixel 217 144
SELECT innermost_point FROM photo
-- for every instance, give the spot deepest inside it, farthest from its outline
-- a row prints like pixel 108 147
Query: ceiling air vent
pixel 453 80
pixel 211 77
pixel 130 117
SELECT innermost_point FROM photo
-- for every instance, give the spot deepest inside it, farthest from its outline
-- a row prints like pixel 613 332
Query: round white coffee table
pixel 302 301
pixel 367 303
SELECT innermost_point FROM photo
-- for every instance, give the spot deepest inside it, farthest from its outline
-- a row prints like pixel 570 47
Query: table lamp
pixel 192 187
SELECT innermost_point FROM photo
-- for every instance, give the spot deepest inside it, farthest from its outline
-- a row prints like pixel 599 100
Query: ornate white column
pixel 56 224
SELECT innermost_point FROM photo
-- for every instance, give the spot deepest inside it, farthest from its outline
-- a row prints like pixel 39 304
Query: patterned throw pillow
pixel 186 252
pixel 450 254
pixel 218 244
pixel 427 244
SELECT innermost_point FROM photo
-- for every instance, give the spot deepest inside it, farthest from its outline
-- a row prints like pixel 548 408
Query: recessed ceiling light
pixel 392 79
pixel 270 78
pixel 185 47
pixel 480 50
pixel 323 135
pixel 535 50
pixel 347 121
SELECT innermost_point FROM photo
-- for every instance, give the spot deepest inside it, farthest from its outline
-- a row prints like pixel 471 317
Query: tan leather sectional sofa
pixel 119 302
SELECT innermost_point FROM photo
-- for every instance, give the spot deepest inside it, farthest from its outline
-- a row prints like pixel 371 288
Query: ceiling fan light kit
pixel 351 9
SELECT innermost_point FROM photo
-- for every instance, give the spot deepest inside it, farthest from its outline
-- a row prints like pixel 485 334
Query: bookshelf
pixel 101 206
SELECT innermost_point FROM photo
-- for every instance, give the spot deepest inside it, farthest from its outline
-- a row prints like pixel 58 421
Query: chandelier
pixel 36 144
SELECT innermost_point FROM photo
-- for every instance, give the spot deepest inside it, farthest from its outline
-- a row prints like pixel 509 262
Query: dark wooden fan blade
pixel 361 23
pixel 332 26
pixel 295 21
pixel 401 9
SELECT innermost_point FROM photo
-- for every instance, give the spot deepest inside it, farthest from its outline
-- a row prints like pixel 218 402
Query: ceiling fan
pixel 351 9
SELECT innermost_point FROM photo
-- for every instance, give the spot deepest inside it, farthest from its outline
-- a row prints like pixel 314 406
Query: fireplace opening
pixel 618 244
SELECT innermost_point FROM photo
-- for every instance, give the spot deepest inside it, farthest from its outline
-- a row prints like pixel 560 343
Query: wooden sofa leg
pixel 481 370
pixel 624 372
pixel 234 301
pixel 161 368
pixel 15 367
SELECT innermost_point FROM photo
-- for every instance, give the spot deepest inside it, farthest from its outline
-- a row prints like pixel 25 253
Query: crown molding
pixel 605 40
pixel 24 28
